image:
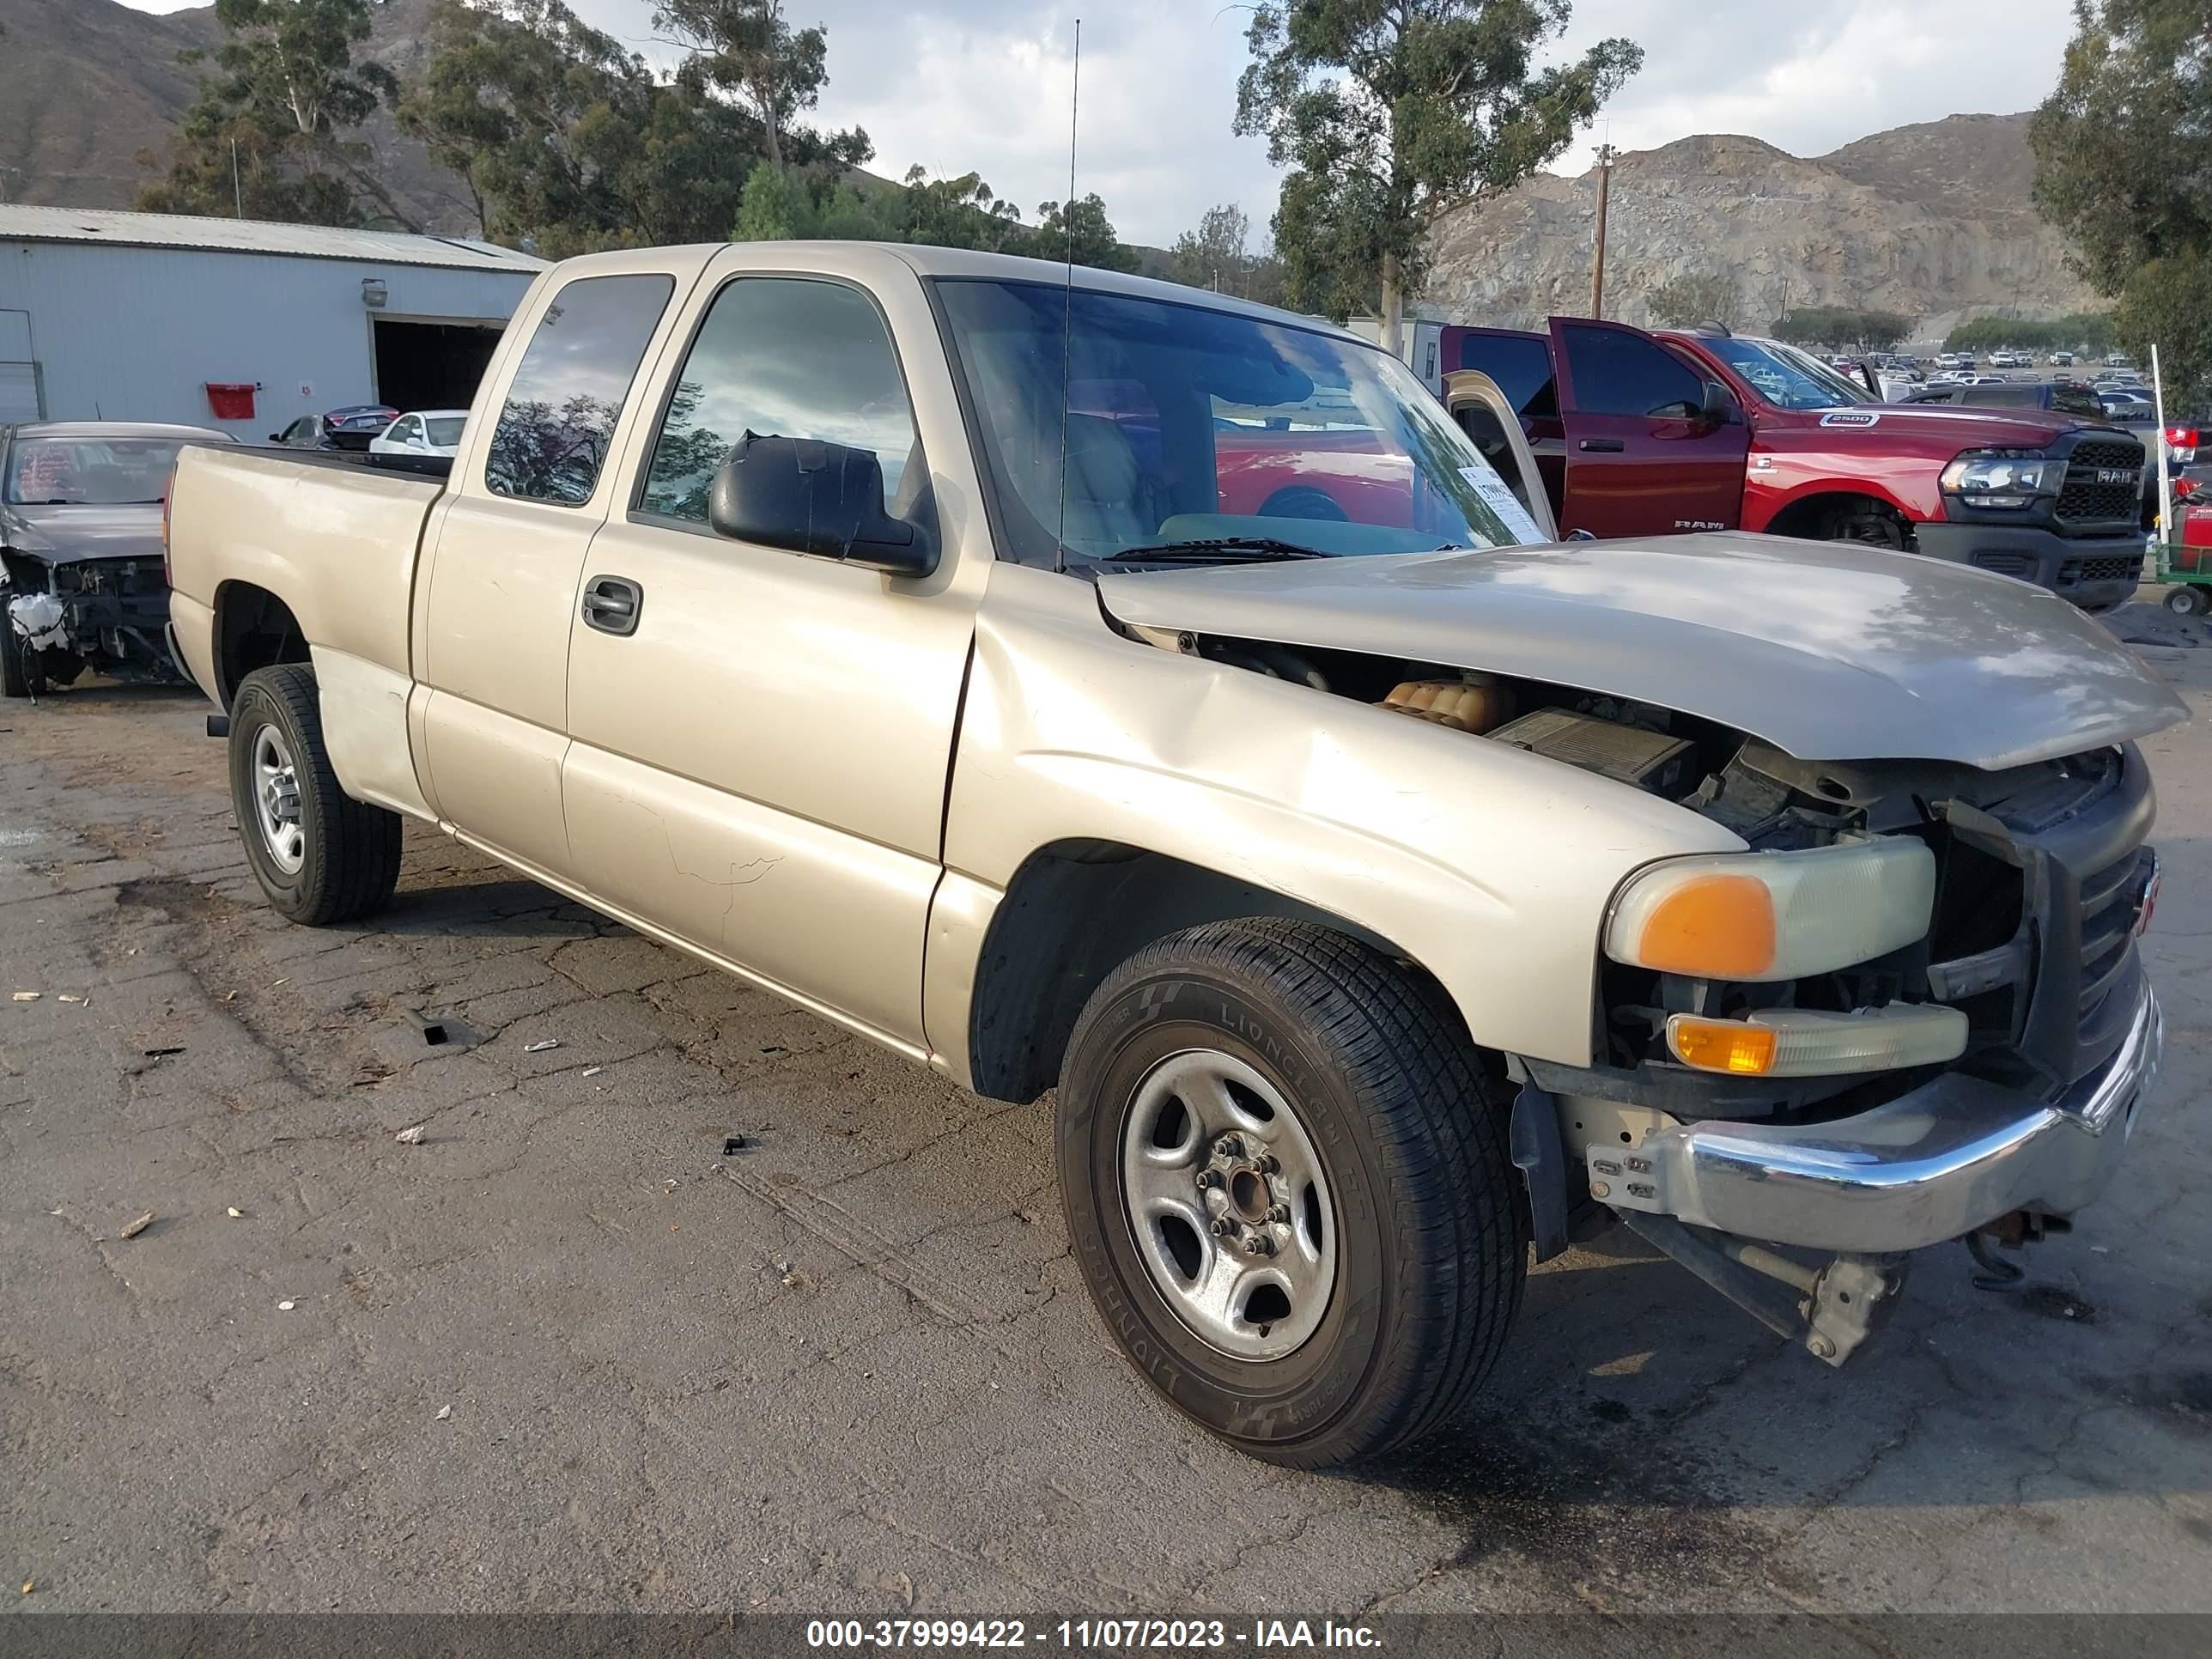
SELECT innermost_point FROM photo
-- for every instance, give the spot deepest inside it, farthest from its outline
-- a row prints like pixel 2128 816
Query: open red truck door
pixel 1651 447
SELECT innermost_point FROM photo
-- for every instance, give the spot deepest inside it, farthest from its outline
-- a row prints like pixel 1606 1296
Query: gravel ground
pixel 565 1353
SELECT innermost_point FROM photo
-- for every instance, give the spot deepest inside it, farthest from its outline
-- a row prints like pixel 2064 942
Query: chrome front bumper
pixel 1929 1166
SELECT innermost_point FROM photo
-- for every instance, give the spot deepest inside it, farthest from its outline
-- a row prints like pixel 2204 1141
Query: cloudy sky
pixel 983 84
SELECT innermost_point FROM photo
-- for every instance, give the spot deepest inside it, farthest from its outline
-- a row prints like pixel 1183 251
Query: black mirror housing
pixel 807 495
pixel 1718 408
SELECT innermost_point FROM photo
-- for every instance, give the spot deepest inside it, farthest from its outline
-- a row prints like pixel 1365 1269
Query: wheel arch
pixel 1801 514
pixel 1074 911
pixel 254 628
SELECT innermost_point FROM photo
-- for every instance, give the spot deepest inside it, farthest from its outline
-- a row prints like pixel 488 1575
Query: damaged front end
pixel 108 615
pixel 1909 1010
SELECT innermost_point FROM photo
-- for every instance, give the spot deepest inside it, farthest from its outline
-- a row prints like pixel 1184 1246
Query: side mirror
pixel 276 437
pixel 1718 408
pixel 810 496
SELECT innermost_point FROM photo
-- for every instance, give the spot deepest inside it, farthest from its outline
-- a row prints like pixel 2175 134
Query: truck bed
pixel 334 534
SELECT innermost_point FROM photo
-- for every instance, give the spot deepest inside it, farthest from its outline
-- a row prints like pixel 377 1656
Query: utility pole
pixel 1605 154
pixel 237 192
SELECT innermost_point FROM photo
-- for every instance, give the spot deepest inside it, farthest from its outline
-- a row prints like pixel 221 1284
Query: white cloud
pixel 983 85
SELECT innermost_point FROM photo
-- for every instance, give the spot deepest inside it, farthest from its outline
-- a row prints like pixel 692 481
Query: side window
pixel 787 357
pixel 566 396
pixel 1521 366
pixel 1617 373
pixel 409 430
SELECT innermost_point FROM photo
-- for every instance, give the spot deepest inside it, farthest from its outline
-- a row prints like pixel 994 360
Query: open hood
pixel 1827 651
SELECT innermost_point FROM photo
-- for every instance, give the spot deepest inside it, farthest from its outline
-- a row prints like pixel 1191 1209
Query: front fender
pixel 1490 866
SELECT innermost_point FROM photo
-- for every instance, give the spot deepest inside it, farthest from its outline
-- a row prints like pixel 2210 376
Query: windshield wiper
pixel 1235 550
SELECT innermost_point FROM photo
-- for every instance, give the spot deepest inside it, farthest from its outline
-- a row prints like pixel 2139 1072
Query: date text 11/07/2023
pixel 1086 1635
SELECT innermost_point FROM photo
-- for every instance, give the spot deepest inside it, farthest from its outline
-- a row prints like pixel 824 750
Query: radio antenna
pixel 1067 303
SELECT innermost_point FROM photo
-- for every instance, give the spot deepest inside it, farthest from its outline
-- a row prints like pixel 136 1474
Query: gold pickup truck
pixel 1079 683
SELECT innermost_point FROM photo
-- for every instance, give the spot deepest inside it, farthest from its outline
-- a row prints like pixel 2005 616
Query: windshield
pixel 1186 423
pixel 1786 377
pixel 89 471
pixel 445 429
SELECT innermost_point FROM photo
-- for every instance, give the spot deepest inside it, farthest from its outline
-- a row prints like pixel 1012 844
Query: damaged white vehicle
pixel 1094 684
pixel 81 585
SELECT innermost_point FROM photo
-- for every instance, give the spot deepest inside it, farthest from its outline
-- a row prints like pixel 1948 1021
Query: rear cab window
pixel 567 396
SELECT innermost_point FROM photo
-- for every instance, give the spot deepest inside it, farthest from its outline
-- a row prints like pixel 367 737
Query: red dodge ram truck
pixel 1638 434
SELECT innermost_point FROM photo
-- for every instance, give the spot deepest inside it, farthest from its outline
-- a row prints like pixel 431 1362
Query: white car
pixel 423 431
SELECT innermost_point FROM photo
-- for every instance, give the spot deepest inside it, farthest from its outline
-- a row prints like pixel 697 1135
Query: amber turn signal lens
pixel 1717 927
pixel 1722 1045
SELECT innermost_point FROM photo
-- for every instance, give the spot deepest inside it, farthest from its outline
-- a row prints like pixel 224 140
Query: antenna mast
pixel 1067 301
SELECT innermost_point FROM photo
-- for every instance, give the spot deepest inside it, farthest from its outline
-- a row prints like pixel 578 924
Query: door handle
pixel 1602 445
pixel 612 605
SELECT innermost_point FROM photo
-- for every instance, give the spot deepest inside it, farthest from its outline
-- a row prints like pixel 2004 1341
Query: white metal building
pixel 159 317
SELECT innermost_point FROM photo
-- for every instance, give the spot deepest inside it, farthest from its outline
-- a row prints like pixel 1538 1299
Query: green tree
pixel 1391 113
pixel 2122 147
pixel 776 207
pixel 745 48
pixel 1686 301
pixel 1081 232
pixel 269 128
pixel 1213 255
pixel 571 143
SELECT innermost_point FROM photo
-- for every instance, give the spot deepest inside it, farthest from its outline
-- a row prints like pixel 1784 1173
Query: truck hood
pixel 1827 651
pixel 64 535
pixel 1969 426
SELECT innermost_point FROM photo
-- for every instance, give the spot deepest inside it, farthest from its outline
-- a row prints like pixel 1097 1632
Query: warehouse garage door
pixel 422 363
pixel 19 373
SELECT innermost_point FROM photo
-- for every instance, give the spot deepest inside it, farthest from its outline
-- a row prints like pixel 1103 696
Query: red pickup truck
pixel 1639 433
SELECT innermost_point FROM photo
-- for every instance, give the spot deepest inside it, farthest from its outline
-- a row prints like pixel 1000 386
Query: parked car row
pixel 374 429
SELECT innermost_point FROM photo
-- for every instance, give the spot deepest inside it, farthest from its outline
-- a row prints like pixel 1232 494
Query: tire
pixel 1402 1249
pixel 2185 601
pixel 320 855
pixel 1870 526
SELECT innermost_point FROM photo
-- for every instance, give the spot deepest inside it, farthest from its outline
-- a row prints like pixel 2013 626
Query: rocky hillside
pixel 1931 221
pixel 88 86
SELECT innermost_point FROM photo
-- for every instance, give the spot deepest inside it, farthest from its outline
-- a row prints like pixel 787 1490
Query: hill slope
pixel 86 85
pixel 1932 220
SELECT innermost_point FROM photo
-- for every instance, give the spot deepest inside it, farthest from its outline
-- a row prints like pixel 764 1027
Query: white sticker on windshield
pixel 1502 502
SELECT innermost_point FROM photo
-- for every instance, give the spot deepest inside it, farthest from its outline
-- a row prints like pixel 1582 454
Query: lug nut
pixel 1259 1244
pixel 1223 1226
pixel 1230 1146
pixel 1266 1163
pixel 1206 1178
pixel 1279 1212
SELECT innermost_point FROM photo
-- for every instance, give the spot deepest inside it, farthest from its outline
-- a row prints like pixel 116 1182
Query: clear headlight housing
pixel 2003 477
pixel 1761 917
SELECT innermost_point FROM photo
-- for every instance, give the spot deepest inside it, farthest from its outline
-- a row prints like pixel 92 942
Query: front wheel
pixel 1286 1181
pixel 2185 601
pixel 320 855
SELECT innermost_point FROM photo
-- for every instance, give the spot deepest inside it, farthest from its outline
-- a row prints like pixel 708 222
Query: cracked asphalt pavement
pixel 564 1353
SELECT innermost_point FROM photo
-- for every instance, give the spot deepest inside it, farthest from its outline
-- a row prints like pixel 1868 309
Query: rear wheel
pixel 320 855
pixel 2185 601
pixel 1286 1181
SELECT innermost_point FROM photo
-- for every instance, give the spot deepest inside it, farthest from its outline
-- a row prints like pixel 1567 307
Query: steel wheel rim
pixel 1228 1204
pixel 277 800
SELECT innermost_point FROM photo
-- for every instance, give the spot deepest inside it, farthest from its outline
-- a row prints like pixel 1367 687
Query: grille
pixel 2005 564
pixel 2100 570
pixel 2083 500
pixel 2036 945
pixel 2101 453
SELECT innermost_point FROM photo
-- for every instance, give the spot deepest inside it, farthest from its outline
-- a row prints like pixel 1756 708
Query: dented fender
pixel 1490 866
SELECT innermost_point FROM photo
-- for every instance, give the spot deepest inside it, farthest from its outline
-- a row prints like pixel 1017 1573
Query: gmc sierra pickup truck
pixel 1388 898
pixel 1645 433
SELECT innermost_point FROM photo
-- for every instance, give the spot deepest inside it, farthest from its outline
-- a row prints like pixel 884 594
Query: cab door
pixel 1642 457
pixel 761 739
pixel 505 552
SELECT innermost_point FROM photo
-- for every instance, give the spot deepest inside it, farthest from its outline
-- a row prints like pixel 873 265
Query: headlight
pixel 1758 917
pixel 2002 478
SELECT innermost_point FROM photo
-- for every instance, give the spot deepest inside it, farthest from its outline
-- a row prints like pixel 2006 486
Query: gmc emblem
pixel 2115 475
